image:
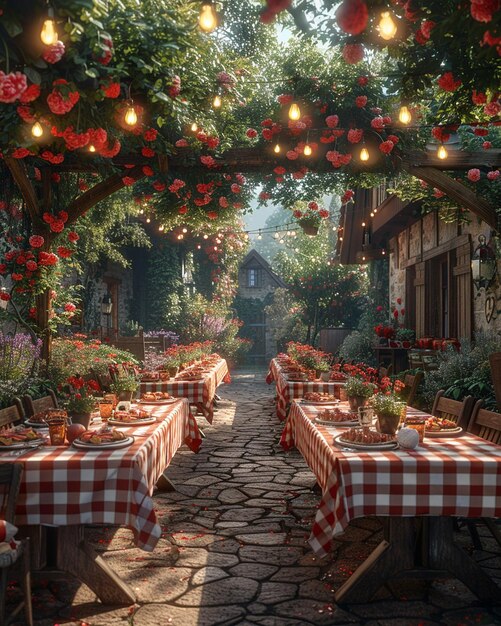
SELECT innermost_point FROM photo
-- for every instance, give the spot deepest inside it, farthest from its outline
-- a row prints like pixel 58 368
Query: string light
pixel 294 112
pixel 442 152
pixel 92 148
pixel 259 235
pixel 130 116
pixel 404 115
pixel 363 224
pixel 281 241
pixel 206 236
pixel 276 149
pixel 180 236
pixel 364 154
pixel 194 127
pixel 307 150
pixel 141 211
pixel 199 247
pixel 148 220
pixel 216 103
pixel 161 227
pixel 208 18
pixel 49 34
pixel 387 27
pixel 185 230
pixel 37 130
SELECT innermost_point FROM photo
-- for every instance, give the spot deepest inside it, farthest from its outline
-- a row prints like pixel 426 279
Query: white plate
pixel 390 445
pixel 32 443
pixel 347 423
pixel 36 424
pixel 122 443
pixel 165 401
pixel 320 402
pixel 138 422
pixel 451 432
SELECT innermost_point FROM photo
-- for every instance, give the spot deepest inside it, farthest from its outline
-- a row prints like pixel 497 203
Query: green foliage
pixel 358 387
pixel 163 287
pixel 358 347
pixel 124 383
pixel 284 319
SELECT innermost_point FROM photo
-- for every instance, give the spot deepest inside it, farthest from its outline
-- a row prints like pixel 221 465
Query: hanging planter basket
pixel 309 228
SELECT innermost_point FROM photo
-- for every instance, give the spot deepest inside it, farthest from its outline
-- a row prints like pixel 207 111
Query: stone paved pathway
pixel 234 548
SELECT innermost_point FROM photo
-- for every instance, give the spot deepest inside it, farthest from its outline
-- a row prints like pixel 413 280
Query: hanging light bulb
pixel 276 149
pixel 276 235
pixel 260 236
pixel 161 227
pixel 37 130
pixel 206 236
pixel 49 34
pixel 92 148
pixel 141 211
pixel 364 154
pixel 199 247
pixel 372 213
pixel 442 152
pixel 281 241
pixel 404 115
pixel 215 247
pixel 208 18
pixel 383 252
pixel 185 230
pixel 363 224
pixel 216 103
pixel 387 27
pixel 294 112
pixel 148 220
pixel 307 150
pixel 180 236
pixel 130 117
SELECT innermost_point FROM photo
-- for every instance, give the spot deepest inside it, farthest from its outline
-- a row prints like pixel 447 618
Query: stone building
pixel 256 285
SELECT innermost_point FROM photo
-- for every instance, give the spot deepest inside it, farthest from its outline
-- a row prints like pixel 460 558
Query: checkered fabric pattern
pixel 200 393
pixel 456 476
pixel 62 486
pixel 287 391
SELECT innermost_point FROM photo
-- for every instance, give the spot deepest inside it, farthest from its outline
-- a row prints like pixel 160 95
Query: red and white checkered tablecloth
pixel 453 476
pixel 288 390
pixel 64 486
pixel 199 392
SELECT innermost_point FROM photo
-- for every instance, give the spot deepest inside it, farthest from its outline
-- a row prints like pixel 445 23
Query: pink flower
pixel 69 307
pixel 30 94
pixel 473 174
pixel 36 241
pixel 332 121
pixel 236 188
pixel 355 135
pixel 483 10
pixel 60 104
pixel 377 123
pixel 352 16
pixel 53 54
pixel 292 155
pixel 285 99
pixel 353 53
pixel 492 109
pixel 494 175
pixel 223 202
pixel 12 86
pixel 386 146
pixel 180 143
pixel 251 133
pixel 361 101
pixel 447 82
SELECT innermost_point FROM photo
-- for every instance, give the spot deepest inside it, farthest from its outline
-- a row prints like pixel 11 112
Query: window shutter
pixel 463 290
pixel 419 284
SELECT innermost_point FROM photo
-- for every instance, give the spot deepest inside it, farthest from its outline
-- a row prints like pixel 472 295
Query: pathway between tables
pixel 234 549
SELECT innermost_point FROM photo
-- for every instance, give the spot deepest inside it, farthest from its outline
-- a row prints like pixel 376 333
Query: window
pixel 253 276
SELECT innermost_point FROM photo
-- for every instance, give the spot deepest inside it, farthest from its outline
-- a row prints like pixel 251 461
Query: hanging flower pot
pixel 309 227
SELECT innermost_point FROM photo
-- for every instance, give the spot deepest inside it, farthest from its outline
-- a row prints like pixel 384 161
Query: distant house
pixel 256 285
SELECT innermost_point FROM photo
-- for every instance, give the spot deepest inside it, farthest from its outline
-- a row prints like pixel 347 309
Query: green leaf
pixel 33 75
pixel 92 72
pixel 12 26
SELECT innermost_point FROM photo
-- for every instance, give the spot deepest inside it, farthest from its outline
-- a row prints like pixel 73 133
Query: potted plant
pixel 310 217
pixel 390 409
pixel 406 336
pixel 78 399
pixel 171 361
pixel 124 387
pixel 358 392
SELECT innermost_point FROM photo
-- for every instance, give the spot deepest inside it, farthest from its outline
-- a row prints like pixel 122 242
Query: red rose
pixel 251 133
pixel 69 307
pixel 57 226
pixel 111 90
pixel 355 135
pixel 150 134
pixel 353 53
pixel 447 82
pixel 64 252
pixel 12 86
pixel 32 93
pixel 352 16
pixel 494 175
pixel 361 101
pixel 148 152
pixel 386 147
pixel 36 241
pixel 147 170
pixel 53 54
pixel 31 266
pixel 128 180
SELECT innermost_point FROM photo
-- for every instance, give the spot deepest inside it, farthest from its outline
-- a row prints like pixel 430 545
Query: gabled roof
pixel 256 258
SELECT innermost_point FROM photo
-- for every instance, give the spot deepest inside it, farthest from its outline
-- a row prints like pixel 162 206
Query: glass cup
pixel 105 409
pixel 365 416
pixel 111 397
pixel 57 431
pixel 417 423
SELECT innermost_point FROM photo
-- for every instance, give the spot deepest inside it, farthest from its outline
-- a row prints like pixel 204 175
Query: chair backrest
pixel 40 404
pixel 485 424
pixel 495 363
pixel 458 412
pixel 10 481
pixel 11 415
pixel 415 359
pixel 384 371
pixel 411 382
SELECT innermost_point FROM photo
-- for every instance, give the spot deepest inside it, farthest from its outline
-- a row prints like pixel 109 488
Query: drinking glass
pixel 57 431
pixel 365 416
pixel 105 409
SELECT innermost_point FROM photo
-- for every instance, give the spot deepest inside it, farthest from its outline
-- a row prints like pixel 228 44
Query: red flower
pixel 285 99
pixel 355 135
pixel 180 143
pixel 32 93
pixel 128 180
pixel 352 16
pixel 69 307
pixel 447 82
pixel 75 140
pixel 399 300
pixel 31 266
pixel 223 202
pixel 47 258
pixel 494 175
pixel 353 53
pixel 492 109
pixel 386 146
pixel 16 277
pixel 147 170
pixel 393 138
pixel 111 90
pixel 64 252
pixel 53 54
pixel 478 97
pixel 12 86
pixel 212 215
pixel 20 153
pixel 487 145
pixel 292 155
pixel 267 134
pixel 332 121
pixel 473 175
pixel 251 133
pixel 150 134
pixel 148 152
pixel 440 134
pixel 377 123
pixel 36 241
pixel 361 101
pixel 362 80
pixel 159 186
pixel 483 10
pixel 183 210
pixel 59 103
pixel 26 114
pixel 57 226
pixel 4 296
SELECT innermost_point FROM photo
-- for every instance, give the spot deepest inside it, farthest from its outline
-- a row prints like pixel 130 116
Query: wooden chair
pixel 458 412
pixel 12 415
pixel 411 382
pixel 40 404
pixel 10 480
pixel 487 425
pixel 384 371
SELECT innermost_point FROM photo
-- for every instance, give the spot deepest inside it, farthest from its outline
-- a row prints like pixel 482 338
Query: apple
pixel 73 431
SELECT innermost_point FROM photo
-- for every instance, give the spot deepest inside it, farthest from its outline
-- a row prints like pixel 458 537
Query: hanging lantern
pixel 208 17
pixel 294 112
pixel 404 115
pixel 130 117
pixel 387 27
pixel 49 34
pixel 442 152
pixel 483 265
pixel 276 149
pixel 307 150
pixel 260 236
pixel 364 154
pixel 37 130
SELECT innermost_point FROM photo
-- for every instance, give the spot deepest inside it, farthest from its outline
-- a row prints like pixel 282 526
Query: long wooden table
pixel 288 390
pixel 67 488
pixel 417 493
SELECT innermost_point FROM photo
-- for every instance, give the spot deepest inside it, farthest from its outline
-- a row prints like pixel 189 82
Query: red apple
pixel 74 431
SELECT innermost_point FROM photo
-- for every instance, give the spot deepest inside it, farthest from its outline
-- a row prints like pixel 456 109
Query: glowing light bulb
pixel 276 149
pixel 372 213
pixel 281 241
pixel 92 148
pixel 141 211
pixel 404 115
pixel 194 127
pixel 296 249
pixel 216 103
pixel 49 34
pixel 199 247
pixel 208 18
pixel 206 236
pixel 340 239
pixel 276 235
pixel 161 227
pixel 383 252
pixel 185 230
pixel 364 154
pixel 363 224
pixel 37 130
pixel 294 112
pixel 307 150
pixel 215 247
pixel 130 117
pixel 148 220
pixel 293 233
pixel 442 152
pixel 260 236
pixel 387 27
pixel 181 236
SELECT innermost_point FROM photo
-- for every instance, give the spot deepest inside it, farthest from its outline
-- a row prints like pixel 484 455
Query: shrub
pixel 358 347
pixel 18 366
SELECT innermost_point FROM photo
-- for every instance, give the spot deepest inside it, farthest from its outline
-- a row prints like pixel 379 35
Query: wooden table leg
pixel 78 558
pixel 165 485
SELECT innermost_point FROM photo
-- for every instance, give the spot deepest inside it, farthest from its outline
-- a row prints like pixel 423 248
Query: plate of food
pixel 19 437
pixel 337 417
pixel 102 439
pixel 441 427
pixel 37 420
pixel 133 417
pixel 156 397
pixel 364 439
pixel 316 398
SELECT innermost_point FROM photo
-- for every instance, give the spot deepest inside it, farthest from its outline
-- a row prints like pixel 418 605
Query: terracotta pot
pixel 437 344
pixel 426 343
pixel 387 423
pixel 81 418
pixel 309 229
pixel 125 396
pixel 356 402
pixel 173 371
pixel 325 376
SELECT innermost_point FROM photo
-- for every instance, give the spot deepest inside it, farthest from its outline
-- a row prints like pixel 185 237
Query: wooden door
pixel 420 286
pixel 463 291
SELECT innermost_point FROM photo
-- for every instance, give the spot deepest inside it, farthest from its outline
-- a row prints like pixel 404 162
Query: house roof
pixel 256 258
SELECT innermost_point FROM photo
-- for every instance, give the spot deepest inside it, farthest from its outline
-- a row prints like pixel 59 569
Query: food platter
pixel 108 445
pixel 158 402
pixel 36 424
pixel 445 432
pixel 23 445
pixel 135 422
pixel 388 445
pixel 320 402
pixel 345 423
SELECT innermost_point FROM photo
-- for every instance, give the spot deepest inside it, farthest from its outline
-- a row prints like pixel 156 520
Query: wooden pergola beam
pixel 457 159
pixel 461 194
pixel 19 173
